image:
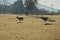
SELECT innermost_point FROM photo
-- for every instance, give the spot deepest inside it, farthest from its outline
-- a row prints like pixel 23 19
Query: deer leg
pixel 45 22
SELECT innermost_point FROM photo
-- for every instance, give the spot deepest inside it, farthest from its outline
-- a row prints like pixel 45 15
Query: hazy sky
pixel 12 1
pixel 56 3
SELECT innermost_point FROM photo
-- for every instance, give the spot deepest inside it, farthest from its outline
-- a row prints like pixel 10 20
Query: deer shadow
pixel 48 24
pixel 20 22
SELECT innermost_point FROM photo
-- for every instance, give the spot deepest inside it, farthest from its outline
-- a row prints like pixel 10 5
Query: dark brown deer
pixel 44 19
pixel 47 19
pixel 20 18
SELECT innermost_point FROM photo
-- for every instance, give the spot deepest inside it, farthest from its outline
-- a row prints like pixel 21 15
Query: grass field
pixel 32 29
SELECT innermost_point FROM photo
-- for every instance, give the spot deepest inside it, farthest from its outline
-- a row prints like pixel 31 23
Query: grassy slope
pixel 31 29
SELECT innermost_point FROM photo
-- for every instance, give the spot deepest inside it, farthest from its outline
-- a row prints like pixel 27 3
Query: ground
pixel 32 28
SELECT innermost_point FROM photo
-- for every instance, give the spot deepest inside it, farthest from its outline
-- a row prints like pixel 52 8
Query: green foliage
pixel 29 4
pixel 18 7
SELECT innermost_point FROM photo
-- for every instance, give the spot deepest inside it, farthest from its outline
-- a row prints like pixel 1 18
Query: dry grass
pixel 32 28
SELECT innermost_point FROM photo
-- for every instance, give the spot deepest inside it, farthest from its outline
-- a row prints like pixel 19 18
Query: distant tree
pixel 18 6
pixel 35 1
pixel 4 6
pixel 44 11
pixel 58 12
pixel 0 8
pixel 30 4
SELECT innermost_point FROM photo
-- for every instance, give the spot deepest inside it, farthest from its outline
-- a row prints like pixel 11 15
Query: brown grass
pixel 32 28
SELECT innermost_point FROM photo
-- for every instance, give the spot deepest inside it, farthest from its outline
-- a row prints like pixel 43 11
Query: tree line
pixel 27 8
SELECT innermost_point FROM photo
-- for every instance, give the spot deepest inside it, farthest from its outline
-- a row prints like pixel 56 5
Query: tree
pixel 30 4
pixel 58 12
pixel 4 6
pixel 0 8
pixel 18 6
pixel 44 11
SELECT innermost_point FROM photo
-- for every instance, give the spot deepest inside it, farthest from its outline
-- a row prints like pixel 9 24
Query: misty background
pixel 17 7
